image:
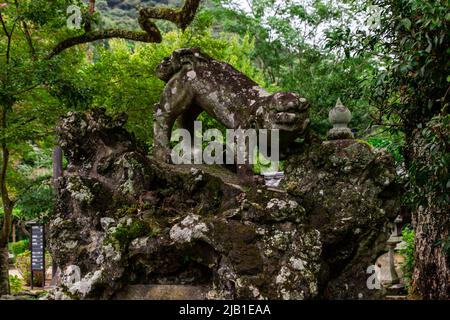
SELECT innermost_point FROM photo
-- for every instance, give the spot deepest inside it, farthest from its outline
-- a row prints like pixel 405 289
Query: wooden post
pixel 14 232
pixel 57 173
pixel 31 262
pixel 57 164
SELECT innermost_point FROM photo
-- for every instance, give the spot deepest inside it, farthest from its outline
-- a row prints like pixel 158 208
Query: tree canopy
pixel 387 60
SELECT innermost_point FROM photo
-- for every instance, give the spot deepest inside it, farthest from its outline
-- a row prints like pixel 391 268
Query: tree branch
pixel 27 34
pixel 88 24
pixel 6 201
pixel 9 36
pixel 181 17
pixel 5 30
pixel 106 34
pixel 23 228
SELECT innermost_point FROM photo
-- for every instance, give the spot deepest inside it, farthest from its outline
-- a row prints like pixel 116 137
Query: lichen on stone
pixel 79 190
pixel 124 219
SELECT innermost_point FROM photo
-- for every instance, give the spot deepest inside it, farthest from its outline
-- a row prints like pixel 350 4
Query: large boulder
pixel 350 194
pixel 125 225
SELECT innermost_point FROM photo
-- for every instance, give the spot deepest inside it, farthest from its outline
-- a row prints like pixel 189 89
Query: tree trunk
pixel 57 165
pixel 4 270
pixel 431 221
pixel 23 229
pixel 13 235
pixel 8 206
pixel 431 278
pixel 4 252
pixel 57 173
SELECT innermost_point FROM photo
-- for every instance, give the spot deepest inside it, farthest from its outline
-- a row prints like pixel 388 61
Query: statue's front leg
pixel 162 129
pixel 175 100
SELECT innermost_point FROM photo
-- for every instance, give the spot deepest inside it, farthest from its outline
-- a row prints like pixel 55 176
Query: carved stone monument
pixel 340 116
pixel 197 83
pixel 126 226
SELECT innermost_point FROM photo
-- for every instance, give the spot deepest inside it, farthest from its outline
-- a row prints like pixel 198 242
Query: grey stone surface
pixel 340 116
pixel 162 292
pixel 197 83
pixel 139 222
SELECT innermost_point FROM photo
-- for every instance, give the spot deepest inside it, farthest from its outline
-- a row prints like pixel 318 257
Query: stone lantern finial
pixel 340 117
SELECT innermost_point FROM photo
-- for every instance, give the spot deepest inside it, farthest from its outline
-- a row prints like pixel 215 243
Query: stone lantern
pixel 340 117
pixel 393 241
pixel 398 224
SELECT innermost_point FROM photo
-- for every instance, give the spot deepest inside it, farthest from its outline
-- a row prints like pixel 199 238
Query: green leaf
pixel 407 23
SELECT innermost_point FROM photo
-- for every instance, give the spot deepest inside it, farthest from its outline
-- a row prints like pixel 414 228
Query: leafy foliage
pixel 394 74
pixel 123 77
pixel 28 87
pixel 20 247
pixel 123 14
pixel 416 34
pixel 290 51
pixel 410 49
pixel 23 265
pixel 16 284
pixel 408 253
pixel 393 143
pixel 429 184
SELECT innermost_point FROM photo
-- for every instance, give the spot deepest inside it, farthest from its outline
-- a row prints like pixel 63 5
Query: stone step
pixel 396 290
pixel 396 298
pixel 162 292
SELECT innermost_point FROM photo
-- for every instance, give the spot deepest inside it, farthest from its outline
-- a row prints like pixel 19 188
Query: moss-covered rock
pixel 122 219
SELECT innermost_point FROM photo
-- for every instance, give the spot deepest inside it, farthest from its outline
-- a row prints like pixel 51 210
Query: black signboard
pixel 37 250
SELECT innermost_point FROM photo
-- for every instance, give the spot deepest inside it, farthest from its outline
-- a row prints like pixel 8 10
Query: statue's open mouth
pixel 286 117
pixel 289 122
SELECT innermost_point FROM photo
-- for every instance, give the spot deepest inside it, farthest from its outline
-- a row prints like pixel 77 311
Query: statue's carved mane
pixel 196 83
pixel 179 58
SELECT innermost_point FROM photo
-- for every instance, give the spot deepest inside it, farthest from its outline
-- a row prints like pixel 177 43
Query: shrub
pixel 20 247
pixel 392 143
pixel 429 184
pixel 23 265
pixel 15 284
pixel 408 253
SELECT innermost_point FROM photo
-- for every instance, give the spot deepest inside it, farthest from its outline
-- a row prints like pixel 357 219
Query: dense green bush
pixel 430 170
pixel 23 265
pixel 16 284
pixel 408 253
pixel 19 247
pixel 393 143
pixel 123 75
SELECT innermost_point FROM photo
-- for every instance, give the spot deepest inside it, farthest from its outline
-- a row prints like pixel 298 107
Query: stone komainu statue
pixel 196 83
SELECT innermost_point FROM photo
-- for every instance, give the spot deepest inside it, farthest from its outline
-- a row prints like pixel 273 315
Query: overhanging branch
pixel 106 34
pixel 180 17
